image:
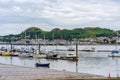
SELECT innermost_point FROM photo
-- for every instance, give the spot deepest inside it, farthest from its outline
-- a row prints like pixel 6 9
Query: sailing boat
pixel 70 47
pixel 115 53
pixel 25 51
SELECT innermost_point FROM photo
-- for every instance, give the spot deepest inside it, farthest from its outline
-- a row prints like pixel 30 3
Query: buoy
pixel 109 75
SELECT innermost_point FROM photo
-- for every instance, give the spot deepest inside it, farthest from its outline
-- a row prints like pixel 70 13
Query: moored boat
pixel 14 54
pixel 114 53
pixel 25 54
pixel 6 54
pixel 40 56
pixel 42 64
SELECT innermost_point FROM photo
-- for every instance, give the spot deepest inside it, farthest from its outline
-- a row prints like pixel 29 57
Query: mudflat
pixel 13 72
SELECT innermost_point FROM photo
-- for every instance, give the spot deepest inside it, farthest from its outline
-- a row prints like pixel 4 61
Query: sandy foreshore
pixel 12 72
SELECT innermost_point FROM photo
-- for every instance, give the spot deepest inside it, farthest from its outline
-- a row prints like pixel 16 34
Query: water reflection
pixel 94 63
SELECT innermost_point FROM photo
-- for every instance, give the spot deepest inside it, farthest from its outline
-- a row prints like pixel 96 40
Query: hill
pixel 56 33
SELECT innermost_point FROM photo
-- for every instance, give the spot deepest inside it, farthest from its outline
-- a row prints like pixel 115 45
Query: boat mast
pixel 38 44
pixel 76 52
pixel 117 41
pixel 25 39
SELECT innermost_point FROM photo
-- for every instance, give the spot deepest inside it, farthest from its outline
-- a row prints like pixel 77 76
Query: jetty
pixel 14 72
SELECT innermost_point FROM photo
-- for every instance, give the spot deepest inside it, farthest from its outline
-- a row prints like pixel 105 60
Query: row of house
pixel 99 40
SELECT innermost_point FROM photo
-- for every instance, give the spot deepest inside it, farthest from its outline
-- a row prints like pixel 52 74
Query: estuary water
pixel 97 62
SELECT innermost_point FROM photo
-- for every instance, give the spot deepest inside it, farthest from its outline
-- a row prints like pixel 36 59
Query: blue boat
pixel 115 53
pixel 42 65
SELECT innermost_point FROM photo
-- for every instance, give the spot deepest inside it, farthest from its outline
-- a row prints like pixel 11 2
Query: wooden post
pixel 76 52
pixel 11 52
pixel 39 48
pixel 11 46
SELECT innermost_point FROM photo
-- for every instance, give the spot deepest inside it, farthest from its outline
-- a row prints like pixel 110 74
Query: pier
pixel 12 72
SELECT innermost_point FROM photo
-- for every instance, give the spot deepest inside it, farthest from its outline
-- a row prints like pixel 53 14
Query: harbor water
pixel 97 62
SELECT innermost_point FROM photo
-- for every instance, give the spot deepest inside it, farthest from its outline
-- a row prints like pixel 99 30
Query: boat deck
pixel 12 72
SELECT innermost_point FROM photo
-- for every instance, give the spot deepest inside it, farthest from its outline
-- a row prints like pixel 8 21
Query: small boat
pixel 6 54
pixel 115 53
pixel 71 49
pixel 51 55
pixel 14 53
pixel 40 56
pixel 42 64
pixel 92 49
pixel 25 54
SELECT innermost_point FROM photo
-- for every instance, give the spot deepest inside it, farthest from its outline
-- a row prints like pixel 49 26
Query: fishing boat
pixel 42 64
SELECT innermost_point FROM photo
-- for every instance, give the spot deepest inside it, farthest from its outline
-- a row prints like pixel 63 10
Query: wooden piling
pixel 76 52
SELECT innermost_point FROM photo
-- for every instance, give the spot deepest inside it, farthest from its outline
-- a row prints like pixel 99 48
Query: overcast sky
pixel 17 15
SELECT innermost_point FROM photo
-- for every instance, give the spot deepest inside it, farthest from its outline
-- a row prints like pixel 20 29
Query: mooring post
pixel 39 48
pixel 77 52
pixel 11 45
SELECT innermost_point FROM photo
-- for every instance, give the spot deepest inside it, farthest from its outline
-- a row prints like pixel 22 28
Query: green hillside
pixel 56 33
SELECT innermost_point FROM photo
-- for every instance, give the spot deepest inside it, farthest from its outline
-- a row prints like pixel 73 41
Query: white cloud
pixel 103 13
pixel 80 12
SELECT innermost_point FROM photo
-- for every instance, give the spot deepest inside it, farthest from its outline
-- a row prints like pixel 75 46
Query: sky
pixel 18 15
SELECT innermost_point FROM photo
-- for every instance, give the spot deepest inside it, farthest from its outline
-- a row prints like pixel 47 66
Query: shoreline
pixel 11 72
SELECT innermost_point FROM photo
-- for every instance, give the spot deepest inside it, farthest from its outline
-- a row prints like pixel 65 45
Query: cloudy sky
pixel 17 15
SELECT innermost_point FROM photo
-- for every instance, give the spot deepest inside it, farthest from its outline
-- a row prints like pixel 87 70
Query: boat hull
pixel 114 53
pixel 42 64
pixel 6 54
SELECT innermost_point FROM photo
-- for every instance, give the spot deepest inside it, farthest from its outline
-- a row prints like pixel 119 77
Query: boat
pixel 92 49
pixel 25 54
pixel 114 53
pixel 71 49
pixel 51 55
pixel 42 64
pixel 40 56
pixel 14 54
pixel 6 54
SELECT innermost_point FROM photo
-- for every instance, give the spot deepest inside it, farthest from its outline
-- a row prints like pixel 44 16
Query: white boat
pixel 40 56
pixel 14 53
pixel 51 54
pixel 25 54
pixel 71 49
pixel 91 49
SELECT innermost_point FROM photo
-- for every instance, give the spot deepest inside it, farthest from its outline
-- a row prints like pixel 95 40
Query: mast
pixel 38 44
pixel 117 39
pixel 25 39
pixel 76 52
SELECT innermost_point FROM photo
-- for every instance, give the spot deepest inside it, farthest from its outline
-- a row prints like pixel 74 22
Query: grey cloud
pixel 60 12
